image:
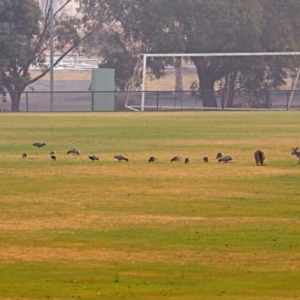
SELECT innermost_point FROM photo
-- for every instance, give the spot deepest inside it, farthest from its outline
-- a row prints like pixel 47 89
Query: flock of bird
pixel 220 156
pixel 73 151
pixel 259 156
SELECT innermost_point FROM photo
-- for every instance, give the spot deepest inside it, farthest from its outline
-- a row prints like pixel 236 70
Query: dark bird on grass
pixel 93 157
pixel 152 159
pixel 120 157
pixel 53 155
pixel 176 158
pixel 259 157
pixel 219 155
pixel 225 159
pixel 74 151
pixel 38 144
pixel 186 160
pixel 205 159
pixel 24 155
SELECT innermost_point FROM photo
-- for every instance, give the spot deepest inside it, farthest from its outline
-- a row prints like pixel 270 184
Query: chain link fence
pixel 82 101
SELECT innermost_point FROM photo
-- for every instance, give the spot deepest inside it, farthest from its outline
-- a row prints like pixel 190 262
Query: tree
pixel 18 23
pixel 203 26
pixel 186 26
pixel 24 39
pixel 216 27
pixel 140 28
pixel 279 31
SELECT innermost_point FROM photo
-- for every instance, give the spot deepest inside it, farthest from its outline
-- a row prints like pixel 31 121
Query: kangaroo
pixel 296 153
pixel 259 157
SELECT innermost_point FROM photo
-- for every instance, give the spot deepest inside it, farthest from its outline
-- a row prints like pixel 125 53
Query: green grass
pixel 77 229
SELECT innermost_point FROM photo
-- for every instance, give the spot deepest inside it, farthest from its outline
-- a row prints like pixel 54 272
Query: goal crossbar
pixel 219 54
pixel 146 55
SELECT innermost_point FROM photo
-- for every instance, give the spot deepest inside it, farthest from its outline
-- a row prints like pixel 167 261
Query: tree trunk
pixel 207 93
pixel 231 89
pixel 206 84
pixel 224 91
pixel 15 100
pixel 178 78
pixel 230 99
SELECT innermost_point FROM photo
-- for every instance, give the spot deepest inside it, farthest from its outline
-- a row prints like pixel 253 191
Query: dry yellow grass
pixel 222 224
pixel 118 220
pixel 64 75
pixel 45 254
pixel 166 83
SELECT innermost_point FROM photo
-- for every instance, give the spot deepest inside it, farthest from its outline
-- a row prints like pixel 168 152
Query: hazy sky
pixel 70 7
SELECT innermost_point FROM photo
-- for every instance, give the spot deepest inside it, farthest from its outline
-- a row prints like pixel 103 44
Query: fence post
pixel 223 95
pixel 92 102
pixel 180 95
pixel 175 99
pixel 157 100
pixel 287 99
pixel 27 101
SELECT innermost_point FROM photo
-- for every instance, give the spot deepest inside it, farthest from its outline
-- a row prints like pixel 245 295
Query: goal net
pixel 155 98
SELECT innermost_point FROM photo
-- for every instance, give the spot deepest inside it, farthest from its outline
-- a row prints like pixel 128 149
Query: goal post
pixel 241 54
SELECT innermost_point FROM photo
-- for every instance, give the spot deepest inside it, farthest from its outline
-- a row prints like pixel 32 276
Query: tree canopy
pixel 19 22
pixel 203 26
pixel 25 37
pixel 122 30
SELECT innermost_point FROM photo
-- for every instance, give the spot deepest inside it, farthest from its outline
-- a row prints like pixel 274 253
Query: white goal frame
pixel 146 55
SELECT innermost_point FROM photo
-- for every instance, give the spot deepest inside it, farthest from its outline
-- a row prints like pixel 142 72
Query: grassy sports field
pixel 77 229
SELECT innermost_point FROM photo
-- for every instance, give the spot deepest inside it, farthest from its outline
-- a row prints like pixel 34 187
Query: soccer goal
pixel 141 106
